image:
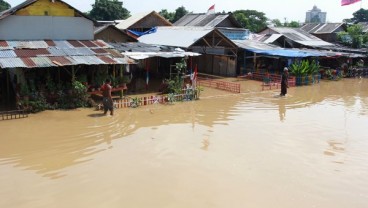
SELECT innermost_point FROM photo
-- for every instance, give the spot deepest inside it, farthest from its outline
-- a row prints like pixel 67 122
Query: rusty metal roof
pixel 48 53
pixel 89 44
pixel 107 59
pixel 100 51
pixel 29 62
pixel 50 43
pixel 3 44
pixel 31 52
pixel 60 61
pixel 76 43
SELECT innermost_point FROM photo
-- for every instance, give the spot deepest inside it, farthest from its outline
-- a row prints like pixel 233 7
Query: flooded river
pixel 252 150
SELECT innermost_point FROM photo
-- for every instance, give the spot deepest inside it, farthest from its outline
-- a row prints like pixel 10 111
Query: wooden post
pixel 7 84
pixel 73 74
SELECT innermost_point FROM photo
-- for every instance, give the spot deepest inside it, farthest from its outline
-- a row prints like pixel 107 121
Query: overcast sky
pixel 274 9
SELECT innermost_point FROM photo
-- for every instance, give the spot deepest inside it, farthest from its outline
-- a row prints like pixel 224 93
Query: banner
pixel 348 2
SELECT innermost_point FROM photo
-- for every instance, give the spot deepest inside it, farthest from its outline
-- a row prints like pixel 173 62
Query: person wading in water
pixel 108 104
pixel 284 82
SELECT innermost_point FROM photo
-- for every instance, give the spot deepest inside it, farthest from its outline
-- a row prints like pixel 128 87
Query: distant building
pixel 315 16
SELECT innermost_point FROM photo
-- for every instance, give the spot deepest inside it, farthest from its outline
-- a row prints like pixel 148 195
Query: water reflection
pixel 189 154
pixel 282 111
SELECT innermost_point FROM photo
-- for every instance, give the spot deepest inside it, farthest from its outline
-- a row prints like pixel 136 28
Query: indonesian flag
pixel 211 10
pixel 348 2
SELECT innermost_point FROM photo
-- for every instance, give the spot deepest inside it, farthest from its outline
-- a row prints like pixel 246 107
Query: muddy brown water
pixel 251 150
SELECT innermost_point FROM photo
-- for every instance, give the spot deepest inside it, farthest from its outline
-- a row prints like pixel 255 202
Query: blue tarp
pixel 288 53
pixel 139 34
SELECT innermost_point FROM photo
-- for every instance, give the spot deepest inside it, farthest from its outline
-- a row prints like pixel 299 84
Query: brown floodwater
pixel 254 150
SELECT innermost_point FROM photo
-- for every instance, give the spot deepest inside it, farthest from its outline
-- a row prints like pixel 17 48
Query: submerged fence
pixel 10 115
pixel 221 85
pixel 130 102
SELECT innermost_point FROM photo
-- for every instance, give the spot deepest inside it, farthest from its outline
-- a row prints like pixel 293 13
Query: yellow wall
pixel 40 7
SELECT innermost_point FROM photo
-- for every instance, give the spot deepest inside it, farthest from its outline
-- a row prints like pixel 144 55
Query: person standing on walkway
pixel 108 104
pixel 284 82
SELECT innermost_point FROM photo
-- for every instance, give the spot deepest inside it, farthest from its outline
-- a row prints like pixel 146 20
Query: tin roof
pixel 88 60
pixel 42 62
pixel 60 61
pixel 107 59
pixel 76 43
pixel 29 62
pixel 206 20
pixel 32 54
pixel 176 36
pixel 7 54
pixel 132 20
pixel 12 63
pixel 322 28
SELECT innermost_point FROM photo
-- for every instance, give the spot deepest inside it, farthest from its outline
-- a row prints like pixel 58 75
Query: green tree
pixel 108 10
pixel 354 36
pixel 4 5
pixel 179 13
pixel 276 22
pixel 360 16
pixel 167 15
pixel 294 24
pixel 251 19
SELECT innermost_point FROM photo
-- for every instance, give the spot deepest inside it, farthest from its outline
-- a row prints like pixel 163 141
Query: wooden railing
pixel 10 115
pixel 221 85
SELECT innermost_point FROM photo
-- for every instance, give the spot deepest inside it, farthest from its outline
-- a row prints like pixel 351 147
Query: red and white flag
pixel 348 2
pixel 211 10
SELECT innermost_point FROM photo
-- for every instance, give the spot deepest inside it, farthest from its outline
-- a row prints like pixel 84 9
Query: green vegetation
pixel 174 16
pixel 251 19
pixel 4 5
pixel 304 71
pixel 359 16
pixel 354 37
pixel 108 10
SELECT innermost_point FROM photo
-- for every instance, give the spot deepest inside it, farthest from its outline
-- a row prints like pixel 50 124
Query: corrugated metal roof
pixel 42 62
pixel 50 43
pixel 60 61
pixel 56 52
pixel 114 52
pixel 7 54
pixel 63 44
pixel 102 44
pixel 125 24
pixel 3 44
pixel 12 63
pixel 273 38
pixel 300 36
pixel 31 52
pixel 88 43
pixel 75 43
pixel 100 51
pixel 78 52
pixel 107 60
pixel 88 60
pixel 176 36
pixel 29 62
pixel 321 28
